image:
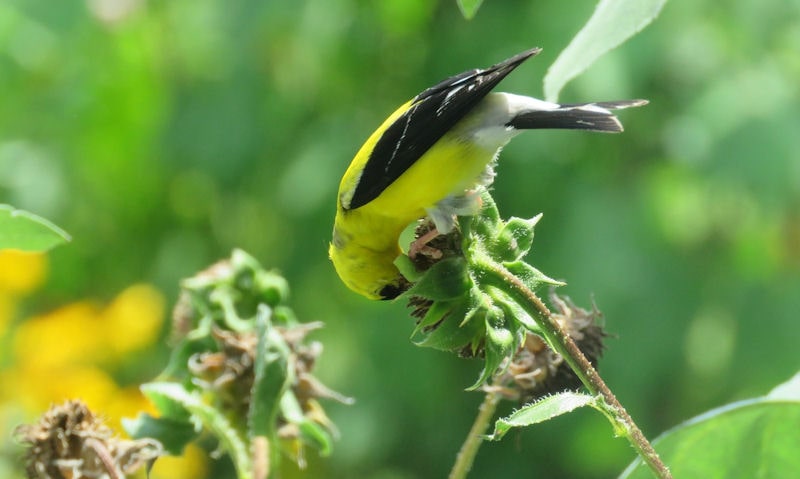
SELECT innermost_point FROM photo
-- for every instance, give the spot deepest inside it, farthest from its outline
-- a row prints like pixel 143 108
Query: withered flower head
pixel 536 370
pixel 70 442
pixel 229 373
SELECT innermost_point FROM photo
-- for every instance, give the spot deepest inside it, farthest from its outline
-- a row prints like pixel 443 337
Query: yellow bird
pixel 431 157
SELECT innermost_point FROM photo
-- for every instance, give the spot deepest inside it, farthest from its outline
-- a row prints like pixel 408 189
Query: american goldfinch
pixel 431 157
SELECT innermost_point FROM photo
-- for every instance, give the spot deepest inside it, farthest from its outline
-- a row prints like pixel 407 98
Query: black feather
pixel 579 116
pixel 432 114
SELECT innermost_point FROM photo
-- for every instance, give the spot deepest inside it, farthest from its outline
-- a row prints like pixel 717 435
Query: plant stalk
pixel 466 456
pixel 566 347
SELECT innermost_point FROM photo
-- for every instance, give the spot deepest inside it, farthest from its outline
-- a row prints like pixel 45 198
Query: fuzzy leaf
pixel 531 276
pixel 451 334
pixel 612 22
pixel 540 411
pixel 500 344
pixel 27 232
pixel 758 438
pixel 437 311
pixel 512 309
pixel 515 239
pixel 446 280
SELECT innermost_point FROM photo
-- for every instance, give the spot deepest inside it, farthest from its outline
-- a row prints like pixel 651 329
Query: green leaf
pixel 613 22
pixel 447 279
pixel 450 334
pixel 515 239
pixel 469 7
pixel 212 419
pixel 316 435
pixel 166 404
pixel 436 312
pixel 512 309
pixel 177 367
pixel 500 344
pixel 27 232
pixel 174 435
pixel 407 268
pixel 789 390
pixel 755 439
pixel 272 288
pixel 532 277
pixel 540 411
pixel 271 377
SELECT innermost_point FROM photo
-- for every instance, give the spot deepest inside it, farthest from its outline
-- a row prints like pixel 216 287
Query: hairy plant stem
pixel 466 456
pixel 558 338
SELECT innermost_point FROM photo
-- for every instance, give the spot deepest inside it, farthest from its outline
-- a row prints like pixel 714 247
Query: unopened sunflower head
pixel 459 296
pixel 69 441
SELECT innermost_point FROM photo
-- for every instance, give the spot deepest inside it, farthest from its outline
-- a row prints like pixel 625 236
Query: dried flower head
pixel 229 373
pixel 70 442
pixel 536 370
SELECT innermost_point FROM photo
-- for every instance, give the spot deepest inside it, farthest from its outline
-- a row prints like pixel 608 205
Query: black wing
pixel 432 114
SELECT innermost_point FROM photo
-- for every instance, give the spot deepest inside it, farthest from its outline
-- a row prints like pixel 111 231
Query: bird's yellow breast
pixel 365 241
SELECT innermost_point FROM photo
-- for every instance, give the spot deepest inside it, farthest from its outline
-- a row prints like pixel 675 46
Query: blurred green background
pixel 162 134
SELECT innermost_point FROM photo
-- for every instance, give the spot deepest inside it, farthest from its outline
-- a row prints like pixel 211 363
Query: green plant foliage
pixel 542 410
pixel 271 376
pixel 210 418
pixel 240 371
pixel 612 22
pixel 469 7
pixel 754 439
pixel 27 232
pixel 173 434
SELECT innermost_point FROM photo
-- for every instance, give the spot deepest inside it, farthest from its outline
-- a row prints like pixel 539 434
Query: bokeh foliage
pixel 162 134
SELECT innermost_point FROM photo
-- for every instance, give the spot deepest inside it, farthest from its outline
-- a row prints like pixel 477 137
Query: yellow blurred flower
pixel 69 334
pixel 21 272
pixel 80 332
pixel 70 351
pixel 35 390
pixel 7 308
pixel 67 353
pixel 191 465
pixel 134 319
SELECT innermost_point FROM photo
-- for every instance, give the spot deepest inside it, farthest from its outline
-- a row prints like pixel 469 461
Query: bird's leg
pixel 420 245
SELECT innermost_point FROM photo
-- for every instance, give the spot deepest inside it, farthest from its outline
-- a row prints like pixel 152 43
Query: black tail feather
pixel 583 116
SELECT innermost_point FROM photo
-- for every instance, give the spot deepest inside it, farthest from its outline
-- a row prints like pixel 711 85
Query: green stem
pixel 466 456
pixel 558 338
